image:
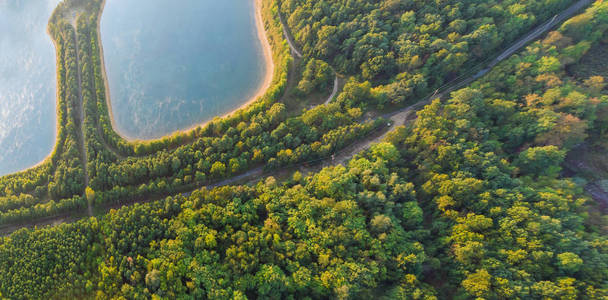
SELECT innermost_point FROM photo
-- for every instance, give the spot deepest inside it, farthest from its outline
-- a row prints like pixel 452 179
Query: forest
pixel 272 133
pixel 469 200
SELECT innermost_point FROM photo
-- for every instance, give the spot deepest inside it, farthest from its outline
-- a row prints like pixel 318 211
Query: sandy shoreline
pixel 266 83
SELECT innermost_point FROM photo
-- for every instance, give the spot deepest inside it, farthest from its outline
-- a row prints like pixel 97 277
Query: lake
pixel 175 64
pixel 27 84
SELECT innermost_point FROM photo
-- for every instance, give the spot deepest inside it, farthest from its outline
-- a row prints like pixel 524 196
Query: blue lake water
pixel 175 64
pixel 27 84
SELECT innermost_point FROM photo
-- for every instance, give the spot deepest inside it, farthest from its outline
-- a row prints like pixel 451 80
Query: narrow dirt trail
pixel 335 90
pixel 292 44
pixel 81 142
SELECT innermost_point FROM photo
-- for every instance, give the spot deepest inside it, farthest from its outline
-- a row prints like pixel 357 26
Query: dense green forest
pixel 411 46
pixel 469 200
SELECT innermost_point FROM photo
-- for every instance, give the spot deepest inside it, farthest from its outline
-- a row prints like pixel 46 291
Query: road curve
pixel 298 54
pixel 292 44
pixel 334 91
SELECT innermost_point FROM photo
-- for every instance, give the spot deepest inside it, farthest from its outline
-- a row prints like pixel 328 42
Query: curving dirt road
pixel 292 44
pixel 334 91
pixel 298 54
